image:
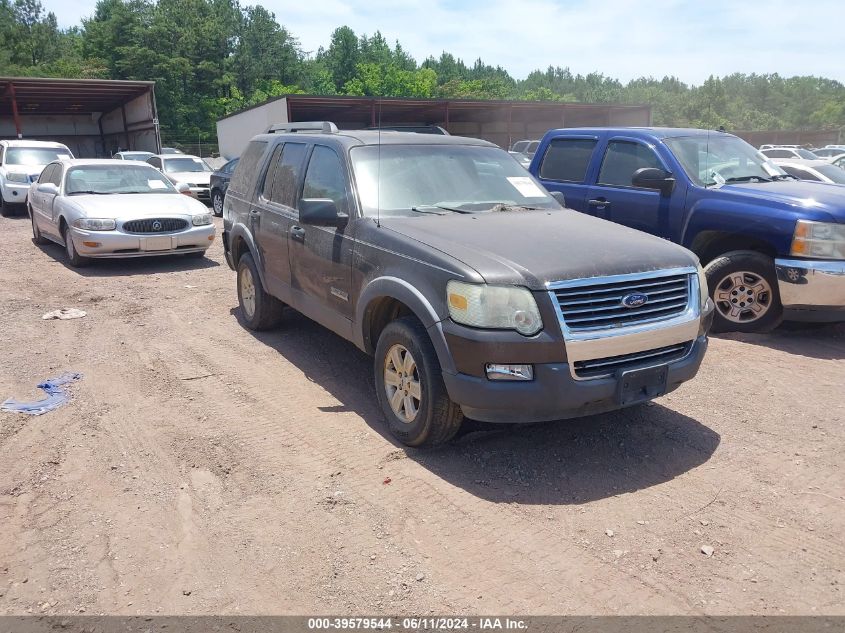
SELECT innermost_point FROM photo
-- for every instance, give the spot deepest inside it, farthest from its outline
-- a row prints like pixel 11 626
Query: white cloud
pixel 620 38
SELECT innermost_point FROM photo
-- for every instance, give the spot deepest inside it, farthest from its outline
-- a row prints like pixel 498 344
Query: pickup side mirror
pixel 321 212
pixel 182 187
pixel 557 195
pixel 654 178
pixel 48 188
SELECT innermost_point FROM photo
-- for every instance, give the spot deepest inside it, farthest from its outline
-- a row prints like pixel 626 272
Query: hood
pixel 196 177
pixel 795 195
pixel 137 205
pixel 531 248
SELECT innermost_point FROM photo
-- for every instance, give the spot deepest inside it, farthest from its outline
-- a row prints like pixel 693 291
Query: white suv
pixel 21 162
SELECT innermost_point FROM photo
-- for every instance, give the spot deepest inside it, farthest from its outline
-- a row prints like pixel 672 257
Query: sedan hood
pixel 136 205
pixel 795 195
pixel 195 177
pixel 532 248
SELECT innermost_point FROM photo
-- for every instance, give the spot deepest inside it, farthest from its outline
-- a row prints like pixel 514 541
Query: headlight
pixel 93 224
pixel 703 289
pixel 18 178
pixel 818 239
pixel 495 307
pixel 202 219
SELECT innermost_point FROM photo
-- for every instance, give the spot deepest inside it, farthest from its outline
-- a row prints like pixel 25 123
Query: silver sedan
pixel 106 208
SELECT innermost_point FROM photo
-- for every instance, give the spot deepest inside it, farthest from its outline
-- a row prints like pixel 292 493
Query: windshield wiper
pixel 88 192
pixel 429 208
pixel 747 179
pixel 777 177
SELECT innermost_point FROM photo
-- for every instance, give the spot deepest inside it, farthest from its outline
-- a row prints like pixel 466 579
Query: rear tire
pixel 37 238
pixel 73 257
pixel 259 310
pixel 409 386
pixel 744 287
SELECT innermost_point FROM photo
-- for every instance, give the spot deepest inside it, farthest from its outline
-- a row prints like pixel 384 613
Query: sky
pixel 623 39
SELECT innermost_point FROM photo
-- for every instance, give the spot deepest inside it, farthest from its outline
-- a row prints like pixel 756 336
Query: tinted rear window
pixel 567 159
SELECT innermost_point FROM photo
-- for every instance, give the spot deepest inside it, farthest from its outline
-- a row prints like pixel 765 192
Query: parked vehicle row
pixel 21 161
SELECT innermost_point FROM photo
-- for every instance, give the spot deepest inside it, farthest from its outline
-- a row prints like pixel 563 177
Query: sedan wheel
pixel 37 238
pixel 74 258
pixel 402 383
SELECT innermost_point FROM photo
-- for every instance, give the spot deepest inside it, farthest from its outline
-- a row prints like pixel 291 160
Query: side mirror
pixel 557 195
pixel 321 212
pixel 48 188
pixel 654 178
pixel 182 187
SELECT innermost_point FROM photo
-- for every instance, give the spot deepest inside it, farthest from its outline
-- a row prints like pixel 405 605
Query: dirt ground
pixel 201 468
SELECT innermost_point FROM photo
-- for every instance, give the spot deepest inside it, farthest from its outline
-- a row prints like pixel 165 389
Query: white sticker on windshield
pixel 718 178
pixel 526 186
pixel 156 184
pixel 63 156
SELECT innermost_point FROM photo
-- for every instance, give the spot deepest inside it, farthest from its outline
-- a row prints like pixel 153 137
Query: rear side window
pixel 247 167
pixel 280 185
pixel 55 176
pixel 46 174
pixel 325 178
pixel 622 159
pixel 567 159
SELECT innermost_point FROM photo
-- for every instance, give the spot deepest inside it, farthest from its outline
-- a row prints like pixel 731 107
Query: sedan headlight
pixel 495 307
pixel 703 289
pixel 94 224
pixel 818 239
pixel 14 177
pixel 202 219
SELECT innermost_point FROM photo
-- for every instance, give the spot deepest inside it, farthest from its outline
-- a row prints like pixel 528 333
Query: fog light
pixel 509 372
pixel 91 244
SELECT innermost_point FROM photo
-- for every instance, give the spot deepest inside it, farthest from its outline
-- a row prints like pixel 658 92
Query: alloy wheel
pixel 743 297
pixel 247 291
pixel 402 383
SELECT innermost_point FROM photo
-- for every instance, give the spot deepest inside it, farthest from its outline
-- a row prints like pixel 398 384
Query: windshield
pixel 836 174
pixel 805 153
pixel 35 156
pixel 141 156
pixel 442 179
pixel 175 165
pixel 721 159
pixel 107 179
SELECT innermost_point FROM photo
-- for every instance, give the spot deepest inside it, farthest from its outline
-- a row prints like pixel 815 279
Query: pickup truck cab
pixel 21 161
pixel 474 290
pixel 773 247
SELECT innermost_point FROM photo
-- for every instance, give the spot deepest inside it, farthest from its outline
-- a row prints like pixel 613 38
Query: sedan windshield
pixel 176 165
pixel 409 179
pixel 140 156
pixel 106 179
pixel 34 156
pixel 721 159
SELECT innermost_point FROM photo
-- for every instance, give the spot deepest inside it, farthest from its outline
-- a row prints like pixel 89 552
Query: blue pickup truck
pixel 773 247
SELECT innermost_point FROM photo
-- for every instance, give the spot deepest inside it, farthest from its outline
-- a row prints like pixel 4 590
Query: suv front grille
pixel 155 225
pixel 600 305
pixel 601 367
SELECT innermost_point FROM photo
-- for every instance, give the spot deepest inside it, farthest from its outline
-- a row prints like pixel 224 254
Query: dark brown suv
pixel 478 294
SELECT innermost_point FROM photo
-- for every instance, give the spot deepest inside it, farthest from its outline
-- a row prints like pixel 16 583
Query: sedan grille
pixel 155 225
pixel 602 367
pixel 611 304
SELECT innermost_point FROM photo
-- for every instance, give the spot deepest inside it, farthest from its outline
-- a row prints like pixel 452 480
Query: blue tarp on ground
pixel 56 396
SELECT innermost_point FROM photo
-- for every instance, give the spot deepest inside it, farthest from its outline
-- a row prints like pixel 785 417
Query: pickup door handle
pixel 297 233
pixel 598 202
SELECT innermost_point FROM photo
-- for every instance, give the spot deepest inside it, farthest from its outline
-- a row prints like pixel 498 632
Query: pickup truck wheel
pixel 37 238
pixel 260 310
pixel 217 203
pixel 744 288
pixel 410 388
pixel 5 208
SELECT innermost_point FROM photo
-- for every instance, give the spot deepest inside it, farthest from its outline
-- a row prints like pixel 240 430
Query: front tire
pixel 5 208
pixel 73 257
pixel 260 310
pixel 744 288
pixel 409 386
pixel 37 238
pixel 217 203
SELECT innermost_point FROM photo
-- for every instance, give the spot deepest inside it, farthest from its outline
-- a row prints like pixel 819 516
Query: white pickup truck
pixel 21 161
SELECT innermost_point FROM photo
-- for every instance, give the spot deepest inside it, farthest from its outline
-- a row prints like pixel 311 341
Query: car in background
pixel 219 184
pixel 522 159
pixel 20 163
pixel 525 147
pixel 828 152
pixel 191 170
pixel 838 160
pixel 104 208
pixel 772 146
pixel 134 155
pixel 171 150
pixel 789 152
pixel 817 170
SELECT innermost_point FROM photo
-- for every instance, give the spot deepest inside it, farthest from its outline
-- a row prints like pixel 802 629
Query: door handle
pixel 598 202
pixel 297 233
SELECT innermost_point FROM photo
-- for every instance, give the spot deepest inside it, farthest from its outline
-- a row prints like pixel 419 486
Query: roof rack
pixel 323 127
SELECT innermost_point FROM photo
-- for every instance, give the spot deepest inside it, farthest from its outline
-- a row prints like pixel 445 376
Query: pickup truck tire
pixel 744 287
pixel 260 311
pixel 5 209
pixel 406 366
pixel 37 238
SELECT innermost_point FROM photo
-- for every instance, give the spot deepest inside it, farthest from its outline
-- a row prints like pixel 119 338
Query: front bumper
pixel 120 244
pixel 554 394
pixel 811 290
pixel 15 193
pixel 201 193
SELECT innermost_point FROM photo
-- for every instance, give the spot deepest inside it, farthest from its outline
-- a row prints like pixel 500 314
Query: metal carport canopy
pixel 44 95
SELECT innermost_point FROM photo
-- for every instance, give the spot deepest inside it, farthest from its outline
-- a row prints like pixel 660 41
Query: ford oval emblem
pixel 634 300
